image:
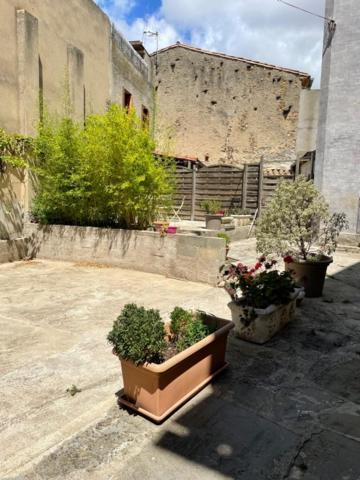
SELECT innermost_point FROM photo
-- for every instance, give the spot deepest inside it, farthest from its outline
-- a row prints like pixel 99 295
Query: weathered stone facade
pixel 224 109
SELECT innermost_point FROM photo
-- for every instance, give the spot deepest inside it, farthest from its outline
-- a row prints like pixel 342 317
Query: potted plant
pixel 263 299
pixel 161 226
pixel 226 237
pixel 164 365
pixel 241 216
pixel 213 215
pixel 298 225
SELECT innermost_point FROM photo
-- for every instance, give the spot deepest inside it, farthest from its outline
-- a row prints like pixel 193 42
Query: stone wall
pixel 224 109
pixel 188 257
pixel 337 165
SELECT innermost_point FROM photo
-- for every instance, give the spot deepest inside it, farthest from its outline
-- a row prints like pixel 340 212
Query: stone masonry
pixel 224 109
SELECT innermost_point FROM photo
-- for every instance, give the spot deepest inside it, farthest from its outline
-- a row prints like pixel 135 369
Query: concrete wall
pixel 226 110
pixel 181 256
pixel 12 186
pixel 308 122
pixel 337 166
pixel 13 250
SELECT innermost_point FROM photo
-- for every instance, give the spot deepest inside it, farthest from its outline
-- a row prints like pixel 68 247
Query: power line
pixel 306 11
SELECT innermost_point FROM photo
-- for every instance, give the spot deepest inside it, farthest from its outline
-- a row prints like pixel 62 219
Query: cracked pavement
pixel 289 409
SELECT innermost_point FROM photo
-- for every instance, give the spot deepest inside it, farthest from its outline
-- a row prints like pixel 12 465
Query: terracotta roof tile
pixel 232 57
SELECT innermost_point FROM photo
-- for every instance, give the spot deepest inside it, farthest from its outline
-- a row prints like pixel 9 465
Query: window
pixel 145 117
pixel 127 100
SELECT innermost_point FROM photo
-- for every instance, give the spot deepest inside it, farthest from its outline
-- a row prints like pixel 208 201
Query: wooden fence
pixel 250 187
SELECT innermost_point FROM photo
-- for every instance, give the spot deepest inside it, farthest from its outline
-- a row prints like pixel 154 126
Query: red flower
pixel 258 265
pixel 288 259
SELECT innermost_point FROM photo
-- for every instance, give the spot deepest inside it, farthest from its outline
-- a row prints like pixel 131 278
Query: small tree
pixel 297 220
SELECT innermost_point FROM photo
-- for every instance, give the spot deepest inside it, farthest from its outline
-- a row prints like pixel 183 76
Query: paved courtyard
pixel 287 410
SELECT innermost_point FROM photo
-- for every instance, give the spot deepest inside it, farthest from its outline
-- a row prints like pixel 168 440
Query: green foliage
pixel 179 319
pixel 267 288
pixel 239 211
pixel 298 218
pixel 225 236
pixel 101 175
pixel 211 206
pixel 15 149
pixel 187 328
pixel 138 335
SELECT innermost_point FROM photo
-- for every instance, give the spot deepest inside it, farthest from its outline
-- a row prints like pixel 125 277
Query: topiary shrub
pixel 187 328
pixel 138 335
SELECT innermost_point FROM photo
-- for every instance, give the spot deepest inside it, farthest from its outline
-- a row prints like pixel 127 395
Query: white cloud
pixel 264 30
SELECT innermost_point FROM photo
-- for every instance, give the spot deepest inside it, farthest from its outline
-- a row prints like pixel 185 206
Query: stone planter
pixel 213 221
pixel 268 322
pixel 310 275
pixel 156 390
pixel 242 220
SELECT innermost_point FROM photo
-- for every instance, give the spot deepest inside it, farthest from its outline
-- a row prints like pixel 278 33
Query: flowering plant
pixel 257 287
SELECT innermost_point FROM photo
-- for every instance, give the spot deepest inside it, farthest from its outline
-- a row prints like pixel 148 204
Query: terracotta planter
pixel 268 322
pixel 213 221
pixel 310 275
pixel 157 390
pixel 242 220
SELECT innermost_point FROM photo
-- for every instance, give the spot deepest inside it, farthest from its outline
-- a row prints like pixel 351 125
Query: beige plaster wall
pixel 226 110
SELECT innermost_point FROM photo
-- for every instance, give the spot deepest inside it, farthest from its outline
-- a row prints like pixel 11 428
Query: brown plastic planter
pixel 157 390
pixel 310 275
pixel 213 221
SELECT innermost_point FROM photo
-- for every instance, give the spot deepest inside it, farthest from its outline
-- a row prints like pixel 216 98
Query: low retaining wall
pixel 182 256
pixel 12 250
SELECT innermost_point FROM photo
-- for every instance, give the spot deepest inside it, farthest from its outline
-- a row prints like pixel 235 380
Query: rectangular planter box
pixel 156 390
pixel 268 322
pixel 242 220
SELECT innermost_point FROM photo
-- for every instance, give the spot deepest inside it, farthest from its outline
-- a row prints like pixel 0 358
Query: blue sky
pixel 264 30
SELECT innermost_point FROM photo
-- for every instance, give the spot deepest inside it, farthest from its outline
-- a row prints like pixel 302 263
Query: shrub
pixel 187 328
pixel 102 175
pixel 225 236
pixel 211 206
pixel 296 220
pixel 138 335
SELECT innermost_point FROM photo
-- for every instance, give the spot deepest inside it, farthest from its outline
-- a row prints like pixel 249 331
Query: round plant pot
pixel 310 275
pixel 213 221
pixel 171 230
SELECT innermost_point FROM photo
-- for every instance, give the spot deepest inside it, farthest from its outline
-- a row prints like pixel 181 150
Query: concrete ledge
pixel 12 250
pixel 182 256
pixel 349 239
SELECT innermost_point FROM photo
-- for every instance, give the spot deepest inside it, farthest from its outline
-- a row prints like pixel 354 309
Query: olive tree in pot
pixel 163 365
pixel 263 299
pixel 298 225
pixel 213 215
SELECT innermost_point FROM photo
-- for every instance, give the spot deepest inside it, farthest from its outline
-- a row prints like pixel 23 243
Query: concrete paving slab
pixel 288 409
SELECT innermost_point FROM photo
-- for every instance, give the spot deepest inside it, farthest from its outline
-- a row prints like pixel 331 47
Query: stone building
pixel 225 109
pixel 44 42
pixel 337 165
pixel 209 106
